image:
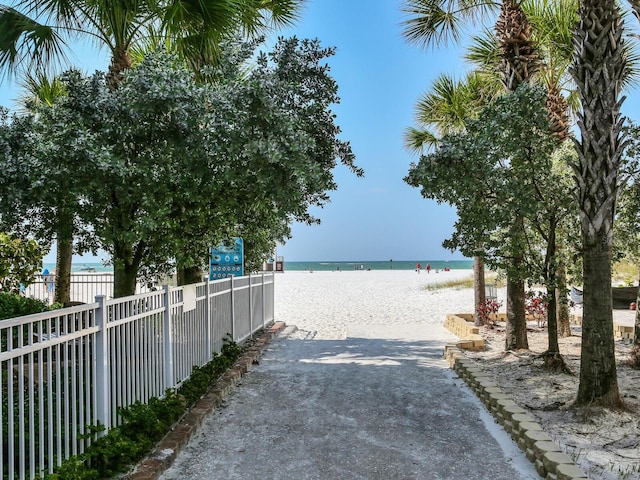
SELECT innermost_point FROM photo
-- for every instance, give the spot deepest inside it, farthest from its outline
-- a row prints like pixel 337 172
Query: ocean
pixel 82 267
pixel 380 265
pixel 317 266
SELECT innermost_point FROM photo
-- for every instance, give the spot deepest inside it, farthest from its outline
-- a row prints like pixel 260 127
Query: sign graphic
pixel 226 261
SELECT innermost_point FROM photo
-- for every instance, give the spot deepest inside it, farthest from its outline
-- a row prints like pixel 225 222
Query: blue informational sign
pixel 226 261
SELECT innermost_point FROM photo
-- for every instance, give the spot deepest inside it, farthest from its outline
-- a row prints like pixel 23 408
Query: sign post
pixel 226 261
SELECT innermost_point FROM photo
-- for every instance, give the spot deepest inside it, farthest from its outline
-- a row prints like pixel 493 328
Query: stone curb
pixel 168 448
pixel 550 462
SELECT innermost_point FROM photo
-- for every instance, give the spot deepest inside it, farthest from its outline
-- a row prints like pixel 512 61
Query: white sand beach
pixel 332 303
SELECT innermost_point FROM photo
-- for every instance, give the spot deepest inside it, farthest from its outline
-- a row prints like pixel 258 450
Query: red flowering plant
pixel 536 305
pixel 488 311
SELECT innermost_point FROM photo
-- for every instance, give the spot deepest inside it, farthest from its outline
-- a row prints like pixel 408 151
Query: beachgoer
pixel 428 268
pixel 418 267
pixel 48 279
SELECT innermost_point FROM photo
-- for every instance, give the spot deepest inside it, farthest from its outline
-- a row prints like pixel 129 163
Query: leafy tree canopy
pixel 491 171
pixel 20 260
pixel 163 167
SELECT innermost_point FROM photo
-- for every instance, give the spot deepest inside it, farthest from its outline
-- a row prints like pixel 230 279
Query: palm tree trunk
pixel 479 293
pixel 599 69
pixel 598 372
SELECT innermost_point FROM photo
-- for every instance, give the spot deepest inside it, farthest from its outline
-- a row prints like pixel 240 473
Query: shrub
pixel 488 310
pixel 143 425
pixel 14 305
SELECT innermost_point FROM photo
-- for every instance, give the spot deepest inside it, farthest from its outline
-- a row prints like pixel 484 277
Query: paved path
pixel 381 404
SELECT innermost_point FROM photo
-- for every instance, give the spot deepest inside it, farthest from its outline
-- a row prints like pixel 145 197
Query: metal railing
pixel 85 287
pixel 66 369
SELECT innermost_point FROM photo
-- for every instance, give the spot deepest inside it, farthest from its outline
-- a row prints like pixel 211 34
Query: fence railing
pixel 85 287
pixel 66 369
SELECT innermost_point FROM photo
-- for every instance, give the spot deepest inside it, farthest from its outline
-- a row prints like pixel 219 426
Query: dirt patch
pixel 604 443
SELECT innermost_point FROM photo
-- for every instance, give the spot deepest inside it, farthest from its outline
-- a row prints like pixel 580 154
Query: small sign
pixel 226 261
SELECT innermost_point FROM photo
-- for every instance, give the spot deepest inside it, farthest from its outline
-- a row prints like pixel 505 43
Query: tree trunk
pixel 516 329
pixel 599 71
pixel 64 254
pixel 562 301
pixel 120 62
pixel 124 279
pixel 598 373
pixel 550 268
pixel 189 275
pixel 636 330
pixel 126 262
pixel 479 293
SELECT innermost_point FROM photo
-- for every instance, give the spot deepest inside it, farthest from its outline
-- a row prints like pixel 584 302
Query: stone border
pixel 550 462
pixel 462 326
pixel 168 448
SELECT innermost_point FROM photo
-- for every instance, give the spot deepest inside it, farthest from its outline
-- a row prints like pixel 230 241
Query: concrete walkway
pixel 381 404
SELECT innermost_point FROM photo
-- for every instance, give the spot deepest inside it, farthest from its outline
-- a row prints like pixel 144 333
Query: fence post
pixel 103 391
pixel 263 304
pixel 233 312
pixel 168 339
pixel 250 306
pixel 209 320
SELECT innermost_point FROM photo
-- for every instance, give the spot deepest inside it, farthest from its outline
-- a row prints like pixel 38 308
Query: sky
pixel 380 78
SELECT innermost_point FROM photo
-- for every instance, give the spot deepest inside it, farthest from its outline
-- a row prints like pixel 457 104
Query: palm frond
pixel 40 89
pixel 553 22
pixel 26 44
pixel 434 23
pixel 417 141
pixel 484 51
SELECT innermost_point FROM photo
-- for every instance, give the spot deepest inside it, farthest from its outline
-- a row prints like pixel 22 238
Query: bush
pixel 14 305
pixel 143 425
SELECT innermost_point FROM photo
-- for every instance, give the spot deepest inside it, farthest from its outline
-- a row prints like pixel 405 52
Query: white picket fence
pixel 65 369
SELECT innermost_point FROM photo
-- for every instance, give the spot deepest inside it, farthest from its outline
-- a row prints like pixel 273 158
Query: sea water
pixel 379 265
pixel 314 266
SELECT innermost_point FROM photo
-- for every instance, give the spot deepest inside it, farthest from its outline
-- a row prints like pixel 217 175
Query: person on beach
pixel 48 279
pixel 418 267
pixel 428 267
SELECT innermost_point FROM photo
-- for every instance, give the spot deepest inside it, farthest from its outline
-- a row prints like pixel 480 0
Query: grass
pixel 457 284
pixel 461 283
pixel 624 274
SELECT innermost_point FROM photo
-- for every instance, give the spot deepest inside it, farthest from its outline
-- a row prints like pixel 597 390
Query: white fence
pixel 65 369
pixel 85 287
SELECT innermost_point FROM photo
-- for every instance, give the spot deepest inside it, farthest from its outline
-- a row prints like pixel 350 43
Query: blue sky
pixel 380 79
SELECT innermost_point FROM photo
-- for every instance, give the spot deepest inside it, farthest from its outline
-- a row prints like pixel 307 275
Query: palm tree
pixel 194 28
pixel 34 35
pixel 599 70
pixel 436 21
pixel 447 107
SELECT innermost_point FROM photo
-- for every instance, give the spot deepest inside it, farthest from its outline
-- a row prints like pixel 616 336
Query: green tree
pixel 20 261
pixel 34 36
pixel 36 33
pixel 179 166
pixel 435 21
pixel 599 71
pixel 496 170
